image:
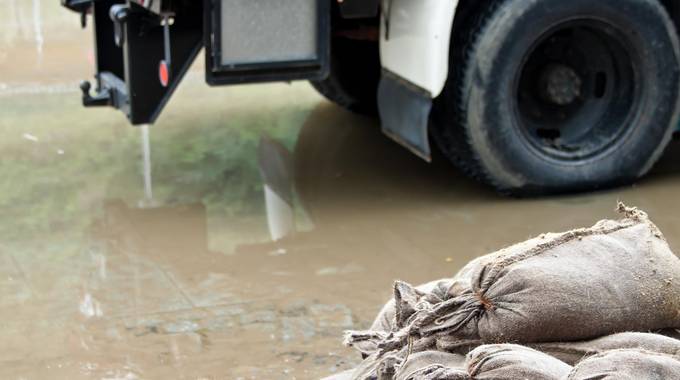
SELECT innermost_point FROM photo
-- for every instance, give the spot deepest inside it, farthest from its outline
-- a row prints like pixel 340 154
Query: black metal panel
pixel 144 50
pixel 266 71
pixel 404 113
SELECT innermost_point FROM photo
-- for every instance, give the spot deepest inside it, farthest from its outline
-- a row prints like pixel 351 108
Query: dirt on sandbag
pixel 616 276
pixel 627 365
pixel 489 362
pixel 574 352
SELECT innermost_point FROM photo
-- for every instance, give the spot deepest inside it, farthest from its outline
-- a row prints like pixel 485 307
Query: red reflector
pixel 164 73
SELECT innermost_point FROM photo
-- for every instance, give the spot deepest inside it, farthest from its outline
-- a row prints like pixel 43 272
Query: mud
pixel 97 282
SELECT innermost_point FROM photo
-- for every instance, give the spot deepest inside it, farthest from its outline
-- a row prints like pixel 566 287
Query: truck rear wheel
pixel 553 96
pixel 354 75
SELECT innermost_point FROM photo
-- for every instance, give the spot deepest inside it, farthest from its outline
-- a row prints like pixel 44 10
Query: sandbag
pixel 511 362
pixel 424 364
pixel 613 277
pixel 627 365
pixel 497 362
pixel 573 352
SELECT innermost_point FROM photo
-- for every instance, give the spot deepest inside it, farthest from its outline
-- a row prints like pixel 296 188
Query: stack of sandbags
pixel 576 286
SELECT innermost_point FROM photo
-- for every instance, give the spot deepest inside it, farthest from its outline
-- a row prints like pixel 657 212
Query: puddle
pixel 270 222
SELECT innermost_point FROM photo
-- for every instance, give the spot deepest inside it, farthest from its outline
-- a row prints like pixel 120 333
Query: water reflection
pixel 276 169
pixel 37 30
pixel 146 166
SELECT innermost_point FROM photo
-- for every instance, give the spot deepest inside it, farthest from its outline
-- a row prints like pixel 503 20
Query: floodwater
pixel 268 222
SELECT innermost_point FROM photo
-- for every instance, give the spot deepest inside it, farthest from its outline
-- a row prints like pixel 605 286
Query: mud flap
pixel 404 112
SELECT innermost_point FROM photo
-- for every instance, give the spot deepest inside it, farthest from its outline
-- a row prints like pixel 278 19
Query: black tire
pixel 354 75
pixel 554 96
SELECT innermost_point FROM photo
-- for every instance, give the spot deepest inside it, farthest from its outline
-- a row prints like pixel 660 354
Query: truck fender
pixel 414 54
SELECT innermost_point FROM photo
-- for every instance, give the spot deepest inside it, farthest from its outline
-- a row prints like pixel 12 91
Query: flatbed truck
pixel 529 96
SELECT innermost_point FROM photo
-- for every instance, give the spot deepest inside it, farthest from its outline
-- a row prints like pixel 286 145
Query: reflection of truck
pixel 530 96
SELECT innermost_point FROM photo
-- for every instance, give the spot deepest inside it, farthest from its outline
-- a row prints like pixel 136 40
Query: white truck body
pixel 414 41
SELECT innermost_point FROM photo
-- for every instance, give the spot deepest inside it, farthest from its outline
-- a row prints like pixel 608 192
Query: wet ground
pixel 271 222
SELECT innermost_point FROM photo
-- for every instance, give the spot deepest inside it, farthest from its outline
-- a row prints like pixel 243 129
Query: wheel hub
pixel 560 84
pixel 576 90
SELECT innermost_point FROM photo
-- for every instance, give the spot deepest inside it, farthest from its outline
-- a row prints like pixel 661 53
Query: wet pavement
pixel 270 222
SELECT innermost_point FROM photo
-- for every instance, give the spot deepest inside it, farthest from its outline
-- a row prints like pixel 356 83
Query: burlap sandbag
pixel 511 362
pixel 423 365
pixel 574 352
pixel 613 277
pixel 489 362
pixel 627 365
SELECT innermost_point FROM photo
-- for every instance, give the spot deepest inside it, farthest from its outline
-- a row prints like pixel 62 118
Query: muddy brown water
pixel 97 282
